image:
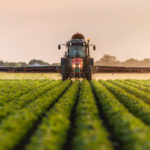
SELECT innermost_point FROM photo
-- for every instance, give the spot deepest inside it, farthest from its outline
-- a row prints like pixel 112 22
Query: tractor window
pixel 77 51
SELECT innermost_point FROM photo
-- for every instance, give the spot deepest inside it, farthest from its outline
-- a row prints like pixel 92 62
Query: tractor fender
pixel 89 72
pixel 64 61
pixel 64 64
pixel 91 61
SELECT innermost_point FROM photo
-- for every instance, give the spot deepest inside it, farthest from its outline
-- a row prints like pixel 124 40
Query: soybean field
pixel 51 114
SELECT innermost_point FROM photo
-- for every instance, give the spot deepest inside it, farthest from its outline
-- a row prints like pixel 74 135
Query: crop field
pixel 74 115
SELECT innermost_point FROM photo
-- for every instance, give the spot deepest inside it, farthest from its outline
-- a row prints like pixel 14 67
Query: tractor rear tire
pixel 89 73
pixel 64 73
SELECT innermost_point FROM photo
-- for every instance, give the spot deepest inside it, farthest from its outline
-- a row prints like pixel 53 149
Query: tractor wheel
pixel 64 73
pixel 89 73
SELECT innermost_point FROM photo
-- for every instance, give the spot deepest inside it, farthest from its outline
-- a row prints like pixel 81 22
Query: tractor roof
pixel 77 39
pixel 78 36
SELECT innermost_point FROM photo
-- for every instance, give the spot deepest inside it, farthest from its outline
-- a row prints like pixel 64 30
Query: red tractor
pixel 77 62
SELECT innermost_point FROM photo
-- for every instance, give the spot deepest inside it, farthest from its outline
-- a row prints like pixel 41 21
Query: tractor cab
pixel 77 51
pixel 77 48
pixel 77 62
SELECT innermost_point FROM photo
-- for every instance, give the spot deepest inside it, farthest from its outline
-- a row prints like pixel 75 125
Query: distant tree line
pixel 108 60
pixel 24 64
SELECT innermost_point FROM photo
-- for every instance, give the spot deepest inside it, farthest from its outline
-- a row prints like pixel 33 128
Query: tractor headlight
pixel 74 65
pixel 79 65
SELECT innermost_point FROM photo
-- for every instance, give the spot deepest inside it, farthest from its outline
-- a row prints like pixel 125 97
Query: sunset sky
pixel 33 28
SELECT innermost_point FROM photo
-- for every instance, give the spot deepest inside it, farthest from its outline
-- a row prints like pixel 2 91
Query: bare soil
pixel 114 76
pixel 57 76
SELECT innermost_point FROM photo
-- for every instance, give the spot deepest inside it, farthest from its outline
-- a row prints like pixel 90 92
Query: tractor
pixel 77 62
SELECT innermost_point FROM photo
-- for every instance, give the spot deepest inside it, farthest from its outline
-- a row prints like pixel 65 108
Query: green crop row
pixel 25 100
pixel 52 133
pixel 14 128
pixel 133 90
pixel 135 85
pixel 89 133
pixel 135 105
pixel 56 115
pixel 11 90
pixel 145 83
pixel 131 132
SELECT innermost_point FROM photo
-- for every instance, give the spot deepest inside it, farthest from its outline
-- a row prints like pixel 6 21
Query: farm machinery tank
pixel 77 62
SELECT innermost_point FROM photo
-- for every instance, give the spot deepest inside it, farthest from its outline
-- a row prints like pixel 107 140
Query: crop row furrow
pixel 140 87
pixel 15 127
pixel 145 83
pixel 89 133
pixel 16 90
pixel 135 91
pixel 25 100
pixel 132 133
pixel 52 133
pixel 135 105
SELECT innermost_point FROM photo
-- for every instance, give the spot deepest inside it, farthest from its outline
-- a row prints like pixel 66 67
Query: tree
pixel 35 61
pixel 21 64
pixel 2 63
pixel 107 60
pixel 131 62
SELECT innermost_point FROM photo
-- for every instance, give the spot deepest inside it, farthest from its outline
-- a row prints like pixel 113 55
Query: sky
pixel 33 28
